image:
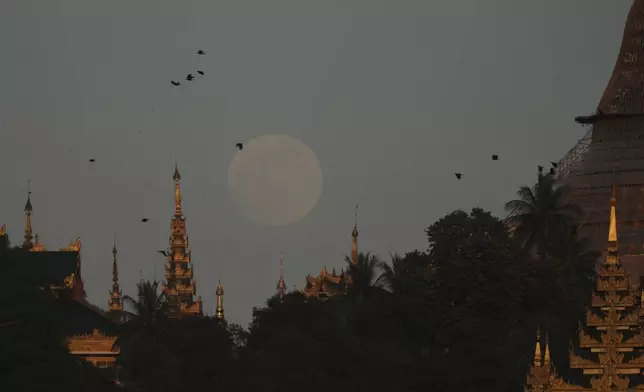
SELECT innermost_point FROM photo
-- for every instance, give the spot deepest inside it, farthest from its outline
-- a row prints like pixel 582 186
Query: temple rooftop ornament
pixel 612 339
pixel 27 243
pixel 219 311
pixel 115 303
pixel 281 284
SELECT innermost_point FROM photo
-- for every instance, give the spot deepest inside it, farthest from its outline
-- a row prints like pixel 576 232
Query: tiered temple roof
pixel 612 340
pixel 90 332
pixel 179 285
pixel 327 285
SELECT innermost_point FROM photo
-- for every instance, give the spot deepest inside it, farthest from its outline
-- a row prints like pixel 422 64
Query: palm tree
pixel 151 305
pixel 366 274
pixel 573 263
pixel 145 356
pixel 541 213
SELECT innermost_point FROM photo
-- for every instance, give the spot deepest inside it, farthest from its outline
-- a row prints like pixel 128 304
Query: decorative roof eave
pixel 74 246
pixel 3 229
pixel 613 318
pixel 38 246
pixel 558 384
pixel 577 362
pixel 613 299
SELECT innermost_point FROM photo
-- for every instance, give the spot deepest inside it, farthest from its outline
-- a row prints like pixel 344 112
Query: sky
pixel 392 96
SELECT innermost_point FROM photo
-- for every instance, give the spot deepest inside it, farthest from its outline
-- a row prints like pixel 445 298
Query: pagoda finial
pixel 354 235
pixel 28 243
pixel 612 256
pixel 281 284
pixel 115 303
pixel 537 351
pixel 546 355
pixel 177 191
pixel 219 311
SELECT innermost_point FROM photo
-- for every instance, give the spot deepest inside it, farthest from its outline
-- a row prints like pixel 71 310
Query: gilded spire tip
pixel 176 175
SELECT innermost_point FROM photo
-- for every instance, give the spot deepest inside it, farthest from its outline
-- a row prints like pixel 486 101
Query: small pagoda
pixel 612 340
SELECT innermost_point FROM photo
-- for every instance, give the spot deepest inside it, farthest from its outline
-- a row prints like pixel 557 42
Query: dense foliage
pixel 459 316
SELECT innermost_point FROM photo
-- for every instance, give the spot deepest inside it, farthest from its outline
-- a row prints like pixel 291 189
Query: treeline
pixel 460 316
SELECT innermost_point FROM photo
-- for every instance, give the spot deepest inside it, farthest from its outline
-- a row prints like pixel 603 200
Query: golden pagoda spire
pixel 179 284
pixel 281 284
pixel 612 249
pixel 27 243
pixel 177 191
pixel 537 351
pixel 115 303
pixel 354 235
pixel 546 355
pixel 219 312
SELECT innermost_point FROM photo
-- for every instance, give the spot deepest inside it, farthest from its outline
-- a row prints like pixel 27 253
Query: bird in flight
pixel 240 146
pixel 175 83
pixel 458 175
pixel 189 77
pixel 200 51
pixel 495 157
pixel 92 160
pixel 200 72
pixel 144 220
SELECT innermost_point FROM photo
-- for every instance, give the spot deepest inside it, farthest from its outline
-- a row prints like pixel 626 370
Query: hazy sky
pixel 393 96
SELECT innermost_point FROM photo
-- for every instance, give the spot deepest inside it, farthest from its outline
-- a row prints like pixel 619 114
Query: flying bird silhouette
pixel 200 72
pixel 200 51
pixel 189 77
pixel 175 83
pixel 92 160
pixel 458 175
pixel 144 220
pixel 495 157
pixel 240 146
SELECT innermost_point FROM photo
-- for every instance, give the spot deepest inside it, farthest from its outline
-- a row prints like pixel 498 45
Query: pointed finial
pixel 114 244
pixel 546 356
pixel 612 254
pixel 176 175
pixel 354 235
pixel 281 284
pixel 28 207
pixel 115 303
pixel 537 351
pixel 219 311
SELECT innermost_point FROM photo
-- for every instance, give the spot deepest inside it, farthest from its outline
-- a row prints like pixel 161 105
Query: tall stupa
pixel 613 151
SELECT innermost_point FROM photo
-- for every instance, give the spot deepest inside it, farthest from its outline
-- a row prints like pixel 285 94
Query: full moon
pixel 275 180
